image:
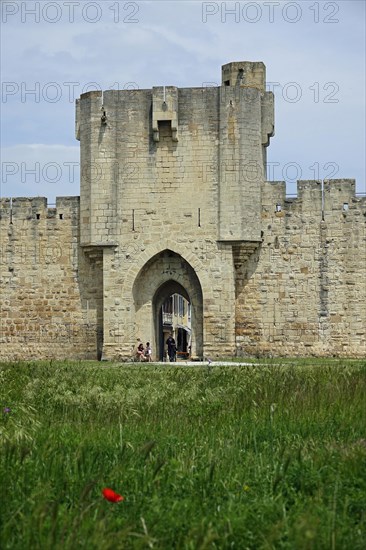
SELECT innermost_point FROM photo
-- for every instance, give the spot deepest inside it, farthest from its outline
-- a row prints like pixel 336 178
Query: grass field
pixel 255 457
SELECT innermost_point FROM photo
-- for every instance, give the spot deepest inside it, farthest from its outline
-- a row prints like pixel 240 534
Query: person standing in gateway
pixel 148 352
pixel 172 348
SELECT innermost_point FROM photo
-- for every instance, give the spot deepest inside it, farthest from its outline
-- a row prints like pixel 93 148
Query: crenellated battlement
pixel 37 209
pixel 337 194
pixel 313 195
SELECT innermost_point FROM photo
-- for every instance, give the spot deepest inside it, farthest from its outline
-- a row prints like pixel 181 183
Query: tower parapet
pixel 251 74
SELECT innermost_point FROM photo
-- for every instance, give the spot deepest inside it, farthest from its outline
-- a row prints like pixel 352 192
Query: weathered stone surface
pixel 50 292
pixel 173 199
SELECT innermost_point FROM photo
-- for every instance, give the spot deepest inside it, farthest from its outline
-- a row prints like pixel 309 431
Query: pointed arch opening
pixel 168 276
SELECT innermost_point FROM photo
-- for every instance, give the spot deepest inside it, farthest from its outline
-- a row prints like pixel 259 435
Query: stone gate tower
pixel 170 200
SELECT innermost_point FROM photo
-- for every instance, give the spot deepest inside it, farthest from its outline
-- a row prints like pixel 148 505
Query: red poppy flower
pixel 110 495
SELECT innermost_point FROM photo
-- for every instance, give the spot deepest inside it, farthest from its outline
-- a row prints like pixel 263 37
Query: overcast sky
pixel 53 51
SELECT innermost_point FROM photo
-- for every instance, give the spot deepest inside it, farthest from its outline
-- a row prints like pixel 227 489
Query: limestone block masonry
pixel 173 198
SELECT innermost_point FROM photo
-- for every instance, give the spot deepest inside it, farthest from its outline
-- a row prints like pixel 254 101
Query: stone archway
pixel 164 274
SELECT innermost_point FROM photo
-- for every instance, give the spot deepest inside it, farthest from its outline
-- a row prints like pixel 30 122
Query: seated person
pixel 140 353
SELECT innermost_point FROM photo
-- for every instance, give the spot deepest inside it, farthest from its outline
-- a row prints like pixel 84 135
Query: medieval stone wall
pixel 304 291
pixel 50 293
pixel 301 292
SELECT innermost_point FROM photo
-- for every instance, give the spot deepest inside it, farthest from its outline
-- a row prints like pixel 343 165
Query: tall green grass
pixel 255 457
